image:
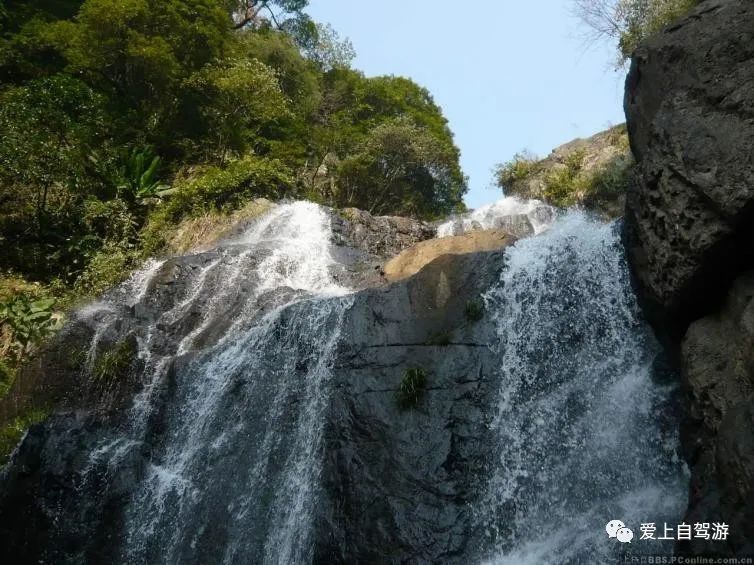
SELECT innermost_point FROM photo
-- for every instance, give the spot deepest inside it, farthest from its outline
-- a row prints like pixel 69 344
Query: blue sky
pixel 508 74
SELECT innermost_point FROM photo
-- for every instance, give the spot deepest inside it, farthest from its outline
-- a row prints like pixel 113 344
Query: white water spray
pixel 584 434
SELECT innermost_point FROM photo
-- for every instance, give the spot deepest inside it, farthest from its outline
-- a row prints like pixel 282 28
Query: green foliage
pixel 216 188
pixel 29 321
pixel 565 185
pixel 115 363
pixel 629 21
pixel 7 377
pixel 517 169
pixel 287 15
pixel 608 183
pixel 230 186
pixel 109 266
pixel 642 18
pixel 297 77
pixel 52 154
pixel 11 434
pixel 401 167
pixel 105 103
pixel 139 175
pixel 412 388
pixel 143 50
pixel 238 99
pixel 474 310
pixel 329 51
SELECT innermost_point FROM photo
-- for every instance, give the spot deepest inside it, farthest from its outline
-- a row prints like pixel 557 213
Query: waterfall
pixel 231 431
pixel 538 214
pixel 584 433
pixel 246 375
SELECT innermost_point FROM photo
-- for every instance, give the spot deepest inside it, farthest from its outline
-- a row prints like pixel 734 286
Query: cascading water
pixel 585 435
pixel 232 475
pixel 489 216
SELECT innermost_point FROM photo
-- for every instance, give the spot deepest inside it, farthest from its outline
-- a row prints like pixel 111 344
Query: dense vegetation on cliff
pixel 120 119
pixel 592 173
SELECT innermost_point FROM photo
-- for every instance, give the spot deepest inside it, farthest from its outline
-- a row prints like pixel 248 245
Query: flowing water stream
pixel 232 476
pixel 585 434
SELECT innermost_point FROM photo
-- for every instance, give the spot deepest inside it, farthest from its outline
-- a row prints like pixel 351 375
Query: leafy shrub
pixel 114 364
pixel 139 175
pixel 612 179
pixel 412 388
pixel 108 267
pixel 517 169
pixel 231 186
pixel 7 376
pixel 629 21
pixel 566 185
pixel 643 18
pixel 474 310
pixel 29 321
pixel 215 189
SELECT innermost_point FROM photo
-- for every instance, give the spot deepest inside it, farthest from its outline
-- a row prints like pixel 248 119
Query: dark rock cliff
pixel 690 109
pixel 400 483
pixel 690 238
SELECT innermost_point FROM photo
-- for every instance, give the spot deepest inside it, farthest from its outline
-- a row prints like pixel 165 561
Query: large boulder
pixel 412 260
pixel 381 236
pixel 689 104
pixel 689 233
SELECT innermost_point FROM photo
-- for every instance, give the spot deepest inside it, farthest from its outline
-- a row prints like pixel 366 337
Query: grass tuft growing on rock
pixel 114 364
pixel 412 388
pixel 474 310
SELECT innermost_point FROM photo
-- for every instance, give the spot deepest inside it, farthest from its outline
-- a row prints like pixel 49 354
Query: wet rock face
pixel 46 482
pixel 690 215
pixel 717 357
pixel 400 482
pixel 397 483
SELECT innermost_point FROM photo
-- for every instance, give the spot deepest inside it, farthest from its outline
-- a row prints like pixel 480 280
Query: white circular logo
pixel 612 528
pixel 625 535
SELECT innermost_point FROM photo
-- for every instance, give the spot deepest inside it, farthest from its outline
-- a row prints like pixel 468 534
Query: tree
pixel 55 152
pixel 237 99
pixel 259 13
pixel 402 168
pixel 629 21
pixel 142 50
pixel 330 51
